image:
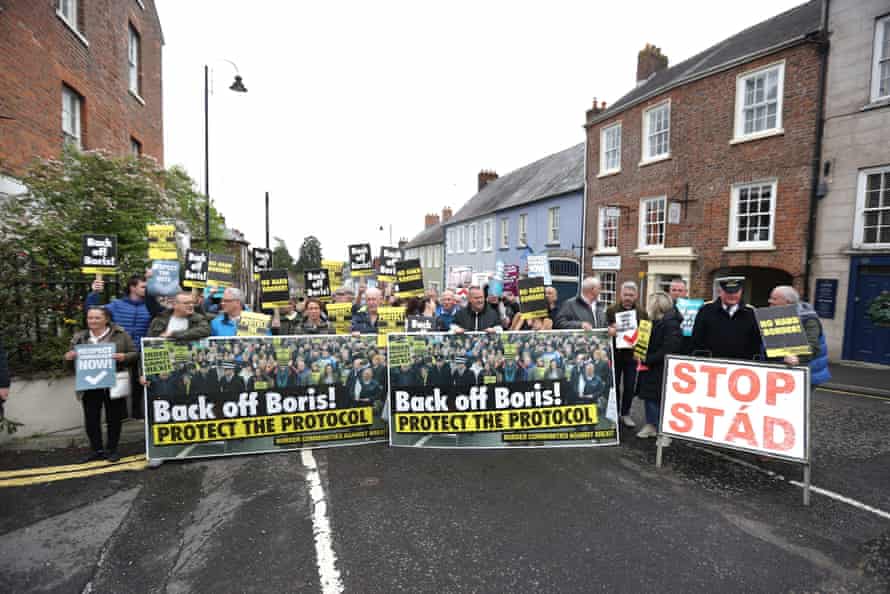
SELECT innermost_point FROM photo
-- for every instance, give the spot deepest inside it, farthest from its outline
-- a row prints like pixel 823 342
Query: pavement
pixel 860 378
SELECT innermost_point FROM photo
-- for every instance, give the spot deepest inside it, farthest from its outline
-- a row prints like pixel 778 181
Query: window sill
pixel 647 249
pixel 606 252
pixel 877 104
pixel 551 244
pixel 609 173
pixel 504 248
pixel 749 248
pixel 73 29
pixel 521 246
pixel 136 96
pixel 758 136
pixel 654 160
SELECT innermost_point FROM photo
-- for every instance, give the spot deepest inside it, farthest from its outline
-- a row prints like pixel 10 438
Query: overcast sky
pixel 361 114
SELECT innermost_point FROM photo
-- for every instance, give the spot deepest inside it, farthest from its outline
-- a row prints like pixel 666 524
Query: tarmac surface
pixel 379 519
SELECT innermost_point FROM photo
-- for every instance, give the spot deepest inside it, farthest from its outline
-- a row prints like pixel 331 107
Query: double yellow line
pixel 49 474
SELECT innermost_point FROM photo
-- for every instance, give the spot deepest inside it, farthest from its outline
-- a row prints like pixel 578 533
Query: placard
pixel 688 308
pixel 641 348
pixel 386 270
pixel 164 279
pixel 360 263
pixel 274 289
pixel 317 282
pixel 539 266
pixel 409 277
pixel 335 272
pixel 625 329
pixel 253 324
pixel 156 358
pixel 94 366
pixel 532 300
pixel 450 399
pixel 99 254
pixel 415 324
pixel 511 279
pixel 389 319
pixel 340 314
pixel 262 260
pixel 162 242
pixel 221 270
pixel 781 331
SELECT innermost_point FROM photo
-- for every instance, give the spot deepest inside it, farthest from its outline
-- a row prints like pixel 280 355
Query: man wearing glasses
pixel 181 322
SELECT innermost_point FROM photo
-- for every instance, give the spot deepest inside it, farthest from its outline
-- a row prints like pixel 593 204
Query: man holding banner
pixel 623 319
pixel 478 315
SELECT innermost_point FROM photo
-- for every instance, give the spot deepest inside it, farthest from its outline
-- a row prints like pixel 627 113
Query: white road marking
pixel 326 559
pixel 422 441
pixel 813 488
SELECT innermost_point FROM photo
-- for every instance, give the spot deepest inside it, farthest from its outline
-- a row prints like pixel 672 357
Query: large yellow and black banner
pixel 514 389
pixel 238 395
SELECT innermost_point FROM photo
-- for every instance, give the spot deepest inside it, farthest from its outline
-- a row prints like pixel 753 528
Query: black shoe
pixel 113 456
pixel 93 457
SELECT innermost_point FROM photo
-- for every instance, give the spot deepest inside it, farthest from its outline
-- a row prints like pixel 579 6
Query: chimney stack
pixel 430 220
pixel 598 108
pixel 446 214
pixel 649 61
pixel 485 178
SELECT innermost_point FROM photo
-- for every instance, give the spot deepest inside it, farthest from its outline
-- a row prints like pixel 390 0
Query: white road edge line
pixel 813 488
pixel 328 574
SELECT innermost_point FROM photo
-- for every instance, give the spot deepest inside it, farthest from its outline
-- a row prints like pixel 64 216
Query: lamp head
pixel 238 85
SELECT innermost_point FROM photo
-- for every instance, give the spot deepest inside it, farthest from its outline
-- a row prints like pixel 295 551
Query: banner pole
pixel 658 451
pixel 806 484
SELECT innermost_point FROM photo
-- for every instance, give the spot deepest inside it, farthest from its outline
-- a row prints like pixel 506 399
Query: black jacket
pixel 737 337
pixel 666 339
pixel 472 321
pixel 575 311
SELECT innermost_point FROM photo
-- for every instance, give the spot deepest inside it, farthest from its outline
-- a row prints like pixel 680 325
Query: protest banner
pixel 162 242
pixel 253 324
pixel 274 289
pixel 156 358
pixel 532 301
pixel 99 254
pixel 317 283
pixel 511 279
pixel 262 260
pixel 409 277
pixel 689 309
pixel 414 324
pixel 335 272
pixel 164 279
pixel 474 403
pixel 232 396
pixel 389 319
pixel 194 273
pixel 539 266
pixel 753 407
pixel 220 270
pixel 641 347
pixel 340 315
pixel 781 331
pixel 360 262
pixel 625 329
pixel 94 367
pixel 386 270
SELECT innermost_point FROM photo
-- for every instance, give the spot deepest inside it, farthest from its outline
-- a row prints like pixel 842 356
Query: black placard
pixel 360 261
pixel 99 255
pixel 386 270
pixel 221 270
pixel 274 288
pixel 317 282
pixel 194 273
pixel 409 276
pixel 532 302
pixel 782 331
pixel 416 324
pixel 262 260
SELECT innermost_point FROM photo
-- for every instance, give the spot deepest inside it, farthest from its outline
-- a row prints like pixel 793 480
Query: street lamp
pixel 238 87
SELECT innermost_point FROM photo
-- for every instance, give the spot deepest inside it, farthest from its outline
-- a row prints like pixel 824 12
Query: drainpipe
pixel 823 46
pixel 583 216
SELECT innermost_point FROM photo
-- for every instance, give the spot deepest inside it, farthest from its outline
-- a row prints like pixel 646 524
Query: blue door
pixel 869 342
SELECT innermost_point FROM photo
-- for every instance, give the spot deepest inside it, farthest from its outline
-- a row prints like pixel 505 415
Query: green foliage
pixel 310 254
pixel 879 310
pixel 281 257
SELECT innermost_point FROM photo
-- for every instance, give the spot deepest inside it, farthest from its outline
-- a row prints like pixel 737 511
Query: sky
pixel 361 115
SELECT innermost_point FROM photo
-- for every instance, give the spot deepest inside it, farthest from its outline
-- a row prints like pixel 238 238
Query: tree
pixel 310 254
pixel 281 257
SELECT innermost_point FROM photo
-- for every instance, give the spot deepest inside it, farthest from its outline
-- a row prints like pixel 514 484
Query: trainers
pixel 113 456
pixel 647 431
pixel 628 421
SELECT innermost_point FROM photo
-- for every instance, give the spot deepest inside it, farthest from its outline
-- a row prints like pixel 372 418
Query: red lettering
pixel 769 434
pixel 741 429
pixel 683 373
pixel 681 423
pixel 713 371
pixel 710 414
pixel 753 385
pixel 778 382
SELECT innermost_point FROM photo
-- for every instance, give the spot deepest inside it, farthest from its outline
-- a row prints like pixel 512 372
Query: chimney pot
pixel 486 177
pixel 446 214
pixel 430 220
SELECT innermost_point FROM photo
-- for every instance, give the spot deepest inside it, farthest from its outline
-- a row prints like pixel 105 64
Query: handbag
pixel 122 387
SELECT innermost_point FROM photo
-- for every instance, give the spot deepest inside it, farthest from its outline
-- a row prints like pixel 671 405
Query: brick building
pixel 84 72
pixel 705 168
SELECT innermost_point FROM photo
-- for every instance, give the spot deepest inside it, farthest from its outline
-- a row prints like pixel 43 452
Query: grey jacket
pixel 576 311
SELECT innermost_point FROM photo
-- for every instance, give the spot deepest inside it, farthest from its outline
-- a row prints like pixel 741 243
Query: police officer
pixel 726 327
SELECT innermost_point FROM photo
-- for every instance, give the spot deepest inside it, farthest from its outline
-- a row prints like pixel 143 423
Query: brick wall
pixel 39 53
pixel 701 155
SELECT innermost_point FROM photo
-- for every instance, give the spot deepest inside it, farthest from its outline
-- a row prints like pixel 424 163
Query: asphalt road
pixel 412 520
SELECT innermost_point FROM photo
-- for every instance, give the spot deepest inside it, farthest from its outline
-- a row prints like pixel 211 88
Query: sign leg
pixel 658 452
pixel 806 484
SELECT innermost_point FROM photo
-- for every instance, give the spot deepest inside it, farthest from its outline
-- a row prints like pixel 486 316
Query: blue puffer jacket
pixel 819 372
pixel 132 316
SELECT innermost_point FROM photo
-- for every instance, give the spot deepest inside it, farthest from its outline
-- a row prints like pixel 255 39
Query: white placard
pixel 626 329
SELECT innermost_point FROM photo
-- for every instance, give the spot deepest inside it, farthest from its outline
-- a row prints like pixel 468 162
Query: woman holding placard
pixel 666 338
pixel 101 330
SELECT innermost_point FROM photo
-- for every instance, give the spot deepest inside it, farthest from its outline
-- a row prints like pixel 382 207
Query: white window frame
pixel 68 12
pixel 72 116
pixel 522 231
pixel 859 226
pixel 472 237
pixel 553 225
pixel 739 129
pixel 449 241
pixel 733 242
pixel 134 56
pixel 644 204
pixel 601 231
pixel 488 235
pixel 505 233
pixel 646 158
pixel 882 30
pixel 604 150
pixel 608 286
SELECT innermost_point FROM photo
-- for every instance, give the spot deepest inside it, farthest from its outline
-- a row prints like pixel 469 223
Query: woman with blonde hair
pixel 666 338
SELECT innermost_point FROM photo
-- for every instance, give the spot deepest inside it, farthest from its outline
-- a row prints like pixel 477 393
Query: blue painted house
pixel 535 209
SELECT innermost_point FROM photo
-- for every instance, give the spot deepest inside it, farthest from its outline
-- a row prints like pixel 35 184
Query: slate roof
pixel 430 235
pixel 557 174
pixel 782 30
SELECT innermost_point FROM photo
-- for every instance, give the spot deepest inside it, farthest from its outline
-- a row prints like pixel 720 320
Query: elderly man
pixel 365 320
pixel 726 327
pixel 812 327
pixel 477 316
pixel 226 323
pixel 180 322
pixel 584 312
pixel 446 310
pixel 625 364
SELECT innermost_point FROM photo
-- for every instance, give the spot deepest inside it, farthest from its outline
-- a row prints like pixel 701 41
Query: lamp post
pixel 238 87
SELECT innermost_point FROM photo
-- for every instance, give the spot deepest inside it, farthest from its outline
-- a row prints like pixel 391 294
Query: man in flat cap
pixel 726 327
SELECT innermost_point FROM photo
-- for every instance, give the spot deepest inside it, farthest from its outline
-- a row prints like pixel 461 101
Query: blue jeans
pixel 653 411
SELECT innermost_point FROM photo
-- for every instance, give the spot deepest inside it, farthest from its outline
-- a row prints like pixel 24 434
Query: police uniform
pixel 727 332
